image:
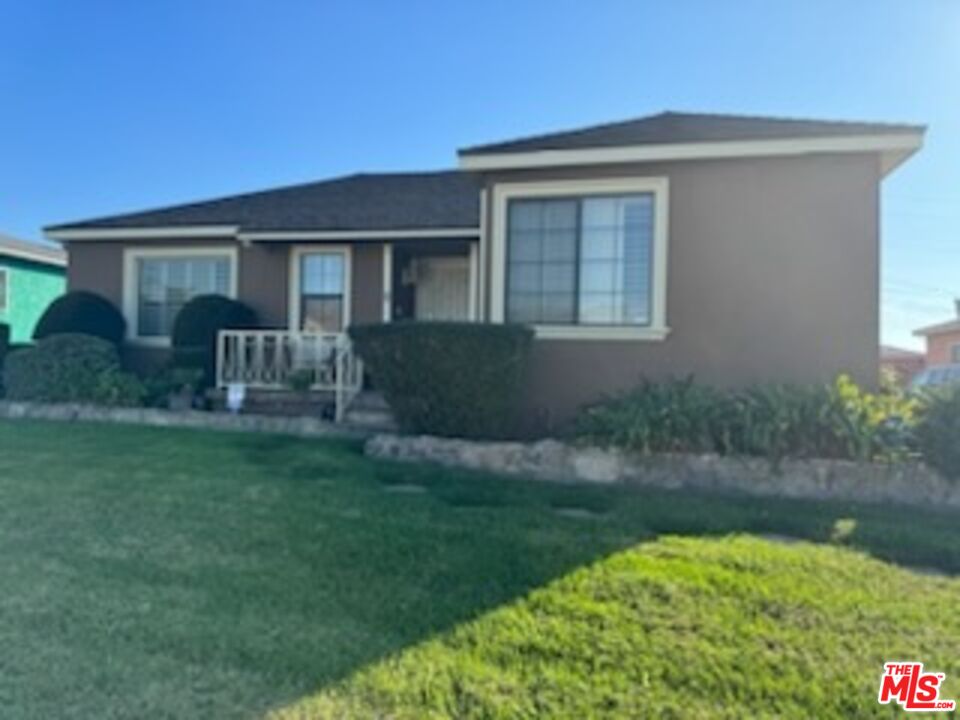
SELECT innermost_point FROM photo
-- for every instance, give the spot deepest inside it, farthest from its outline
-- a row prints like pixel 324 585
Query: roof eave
pixel 941 329
pixel 38 258
pixel 67 233
pixel 894 149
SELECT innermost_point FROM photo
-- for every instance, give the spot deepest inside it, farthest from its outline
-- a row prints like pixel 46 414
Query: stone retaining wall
pixel 299 426
pixel 911 483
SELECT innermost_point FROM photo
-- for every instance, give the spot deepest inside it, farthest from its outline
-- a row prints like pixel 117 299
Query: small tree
pixel 197 325
pixel 84 313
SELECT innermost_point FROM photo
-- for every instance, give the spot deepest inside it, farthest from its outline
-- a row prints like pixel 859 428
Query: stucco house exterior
pixel 31 277
pixel 943 341
pixel 736 249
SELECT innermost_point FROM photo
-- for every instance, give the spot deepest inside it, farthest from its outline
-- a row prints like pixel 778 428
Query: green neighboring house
pixel 31 277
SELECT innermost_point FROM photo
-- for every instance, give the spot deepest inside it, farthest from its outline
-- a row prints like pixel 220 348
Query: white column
pixel 387 282
pixel 473 288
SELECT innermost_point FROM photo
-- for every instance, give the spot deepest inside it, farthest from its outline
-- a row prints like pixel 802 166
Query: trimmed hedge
pixel 447 378
pixel 70 368
pixel 84 313
pixel 4 342
pixel 196 327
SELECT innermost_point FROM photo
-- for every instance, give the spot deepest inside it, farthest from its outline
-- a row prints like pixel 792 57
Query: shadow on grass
pixel 274 567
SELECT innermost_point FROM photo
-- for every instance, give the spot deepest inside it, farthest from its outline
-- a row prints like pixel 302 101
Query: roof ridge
pixel 788 118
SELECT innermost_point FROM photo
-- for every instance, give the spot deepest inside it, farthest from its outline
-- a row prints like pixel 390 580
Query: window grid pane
pixel 322 283
pixel 165 285
pixel 583 260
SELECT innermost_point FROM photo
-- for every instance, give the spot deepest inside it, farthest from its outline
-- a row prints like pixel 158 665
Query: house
pixel 943 341
pixel 902 365
pixel 31 277
pixel 736 249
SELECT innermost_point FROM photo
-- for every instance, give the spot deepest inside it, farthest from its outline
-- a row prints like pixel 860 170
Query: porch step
pixel 370 411
pixel 283 403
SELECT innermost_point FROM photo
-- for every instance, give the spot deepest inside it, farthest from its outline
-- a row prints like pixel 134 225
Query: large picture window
pixel 158 283
pixel 581 260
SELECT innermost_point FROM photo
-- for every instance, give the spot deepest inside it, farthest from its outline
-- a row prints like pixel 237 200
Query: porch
pixel 311 363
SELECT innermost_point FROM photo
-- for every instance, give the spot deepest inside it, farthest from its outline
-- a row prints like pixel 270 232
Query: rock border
pixel 193 419
pixel 910 483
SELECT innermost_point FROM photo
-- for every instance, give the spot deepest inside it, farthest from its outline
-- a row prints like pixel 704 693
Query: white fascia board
pixel 307 235
pixel 144 233
pixel 897 144
pixel 38 258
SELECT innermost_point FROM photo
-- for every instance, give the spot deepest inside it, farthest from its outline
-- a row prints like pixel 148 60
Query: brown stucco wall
pixel 366 296
pixel 262 281
pixel 773 276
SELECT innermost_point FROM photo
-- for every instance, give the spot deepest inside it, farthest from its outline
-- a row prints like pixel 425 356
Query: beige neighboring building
pixel 735 249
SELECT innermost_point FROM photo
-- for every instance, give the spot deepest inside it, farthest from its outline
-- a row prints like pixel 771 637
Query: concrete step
pixel 370 400
pixel 375 418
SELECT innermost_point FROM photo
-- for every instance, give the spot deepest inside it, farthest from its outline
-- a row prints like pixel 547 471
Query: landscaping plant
pixel 70 368
pixel 938 432
pixel 775 421
pixel 672 416
pixel 196 327
pixel 448 378
pixel 85 313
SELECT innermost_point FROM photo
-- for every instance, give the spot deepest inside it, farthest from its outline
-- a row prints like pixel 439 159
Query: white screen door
pixel 443 289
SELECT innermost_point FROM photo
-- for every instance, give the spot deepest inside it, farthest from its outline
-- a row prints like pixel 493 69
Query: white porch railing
pixel 269 359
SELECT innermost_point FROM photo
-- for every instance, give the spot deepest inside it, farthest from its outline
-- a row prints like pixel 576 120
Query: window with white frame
pixel 165 283
pixel 581 260
pixel 322 291
pixel 4 290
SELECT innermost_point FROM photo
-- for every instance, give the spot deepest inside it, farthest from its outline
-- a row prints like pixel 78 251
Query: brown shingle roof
pixel 676 127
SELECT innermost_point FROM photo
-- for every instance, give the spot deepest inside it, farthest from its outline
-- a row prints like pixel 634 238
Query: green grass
pixel 152 573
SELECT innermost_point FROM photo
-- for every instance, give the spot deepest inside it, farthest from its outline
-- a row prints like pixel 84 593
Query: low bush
pixel 774 421
pixel 673 416
pixel 448 378
pixel 4 349
pixel 938 432
pixel 70 368
pixel 162 385
pixel 85 313
pixel 196 327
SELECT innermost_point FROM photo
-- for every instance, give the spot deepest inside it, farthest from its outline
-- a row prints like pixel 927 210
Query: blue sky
pixel 112 106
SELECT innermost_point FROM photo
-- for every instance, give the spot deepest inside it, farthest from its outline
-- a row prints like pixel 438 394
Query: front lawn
pixel 178 574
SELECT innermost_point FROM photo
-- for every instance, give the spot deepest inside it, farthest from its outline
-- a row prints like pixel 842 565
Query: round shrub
pixel 82 312
pixel 446 378
pixel 938 433
pixel 70 368
pixel 196 327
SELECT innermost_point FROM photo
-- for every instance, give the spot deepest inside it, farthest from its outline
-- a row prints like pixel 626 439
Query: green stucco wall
pixel 30 289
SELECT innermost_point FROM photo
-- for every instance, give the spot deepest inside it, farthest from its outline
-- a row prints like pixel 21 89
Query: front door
pixel 442 289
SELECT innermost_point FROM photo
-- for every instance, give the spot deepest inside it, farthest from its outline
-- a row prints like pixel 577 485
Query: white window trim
pixel 131 291
pixel 5 295
pixel 504 192
pixel 293 298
